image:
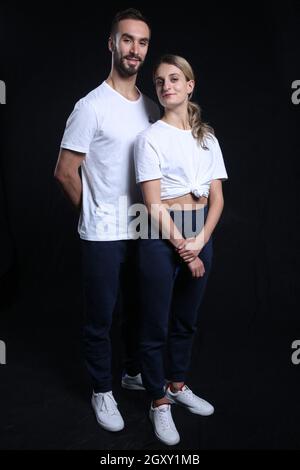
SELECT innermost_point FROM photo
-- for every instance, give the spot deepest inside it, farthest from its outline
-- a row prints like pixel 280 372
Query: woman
pixel 180 167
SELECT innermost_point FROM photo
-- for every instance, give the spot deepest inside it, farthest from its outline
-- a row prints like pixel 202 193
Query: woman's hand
pixel 197 268
pixel 190 250
pixel 180 244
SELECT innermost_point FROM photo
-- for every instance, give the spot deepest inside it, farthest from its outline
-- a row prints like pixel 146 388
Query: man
pixel 99 138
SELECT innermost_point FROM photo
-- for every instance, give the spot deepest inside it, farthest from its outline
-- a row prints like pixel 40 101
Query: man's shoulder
pixel 95 96
pixel 93 103
pixel 149 100
pixel 152 106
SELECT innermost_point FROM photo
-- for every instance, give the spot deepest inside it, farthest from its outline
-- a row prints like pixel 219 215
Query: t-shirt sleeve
pixel 219 170
pixel 146 159
pixel 80 128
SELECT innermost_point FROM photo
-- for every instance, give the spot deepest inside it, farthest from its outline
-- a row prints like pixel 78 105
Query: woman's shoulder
pixel 210 140
pixel 151 133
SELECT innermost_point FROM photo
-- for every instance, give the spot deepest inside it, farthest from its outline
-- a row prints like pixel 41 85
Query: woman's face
pixel 172 87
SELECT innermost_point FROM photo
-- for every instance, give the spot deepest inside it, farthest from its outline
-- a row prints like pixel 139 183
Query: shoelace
pixel 108 404
pixel 187 391
pixel 164 418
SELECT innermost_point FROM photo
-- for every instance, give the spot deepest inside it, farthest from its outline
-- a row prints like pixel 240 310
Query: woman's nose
pixel 166 86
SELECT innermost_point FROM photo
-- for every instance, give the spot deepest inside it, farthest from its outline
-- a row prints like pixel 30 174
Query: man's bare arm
pixel 67 174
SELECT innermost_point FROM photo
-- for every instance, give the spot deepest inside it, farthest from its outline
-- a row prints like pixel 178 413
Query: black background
pixel 245 57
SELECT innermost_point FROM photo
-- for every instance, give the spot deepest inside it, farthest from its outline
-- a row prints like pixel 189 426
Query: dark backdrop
pixel 245 57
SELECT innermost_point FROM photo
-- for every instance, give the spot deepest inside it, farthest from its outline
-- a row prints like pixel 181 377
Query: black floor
pixel 241 363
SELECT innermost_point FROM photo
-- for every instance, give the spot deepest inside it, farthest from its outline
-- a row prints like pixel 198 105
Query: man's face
pixel 129 46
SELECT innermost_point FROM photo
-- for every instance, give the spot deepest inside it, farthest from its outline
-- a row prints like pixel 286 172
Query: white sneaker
pixel 132 382
pixel 163 424
pixel 106 410
pixel 192 402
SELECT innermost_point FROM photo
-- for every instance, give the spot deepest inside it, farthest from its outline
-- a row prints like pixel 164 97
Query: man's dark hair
pixel 129 14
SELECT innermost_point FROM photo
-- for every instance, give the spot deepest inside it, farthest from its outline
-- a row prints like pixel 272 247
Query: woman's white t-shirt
pixel 174 156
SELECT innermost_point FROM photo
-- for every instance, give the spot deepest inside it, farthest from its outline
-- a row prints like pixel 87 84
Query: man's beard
pixel 127 70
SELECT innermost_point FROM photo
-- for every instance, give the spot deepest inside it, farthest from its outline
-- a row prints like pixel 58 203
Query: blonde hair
pixel 200 129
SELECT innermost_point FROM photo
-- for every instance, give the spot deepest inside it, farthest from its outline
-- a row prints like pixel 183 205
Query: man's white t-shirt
pixel 104 125
pixel 174 156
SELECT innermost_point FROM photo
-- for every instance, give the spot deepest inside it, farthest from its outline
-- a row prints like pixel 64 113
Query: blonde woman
pixel 180 168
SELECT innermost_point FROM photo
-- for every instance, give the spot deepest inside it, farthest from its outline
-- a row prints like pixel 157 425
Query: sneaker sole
pixel 158 436
pixel 197 412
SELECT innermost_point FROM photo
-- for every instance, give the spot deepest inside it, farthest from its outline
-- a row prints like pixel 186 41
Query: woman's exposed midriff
pixel 186 202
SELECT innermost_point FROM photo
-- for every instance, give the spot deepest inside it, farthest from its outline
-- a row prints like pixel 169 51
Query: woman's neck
pixel 180 120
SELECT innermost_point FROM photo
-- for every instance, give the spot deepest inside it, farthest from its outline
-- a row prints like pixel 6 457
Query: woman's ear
pixel 190 87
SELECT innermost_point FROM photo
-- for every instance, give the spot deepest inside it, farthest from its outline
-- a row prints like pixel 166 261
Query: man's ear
pixel 111 44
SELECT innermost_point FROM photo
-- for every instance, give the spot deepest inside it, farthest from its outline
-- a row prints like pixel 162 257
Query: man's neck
pixel 125 86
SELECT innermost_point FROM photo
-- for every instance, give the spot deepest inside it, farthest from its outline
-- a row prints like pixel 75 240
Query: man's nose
pixel 134 48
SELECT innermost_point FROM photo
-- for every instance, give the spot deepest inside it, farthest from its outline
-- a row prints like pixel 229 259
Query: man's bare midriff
pixel 186 202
